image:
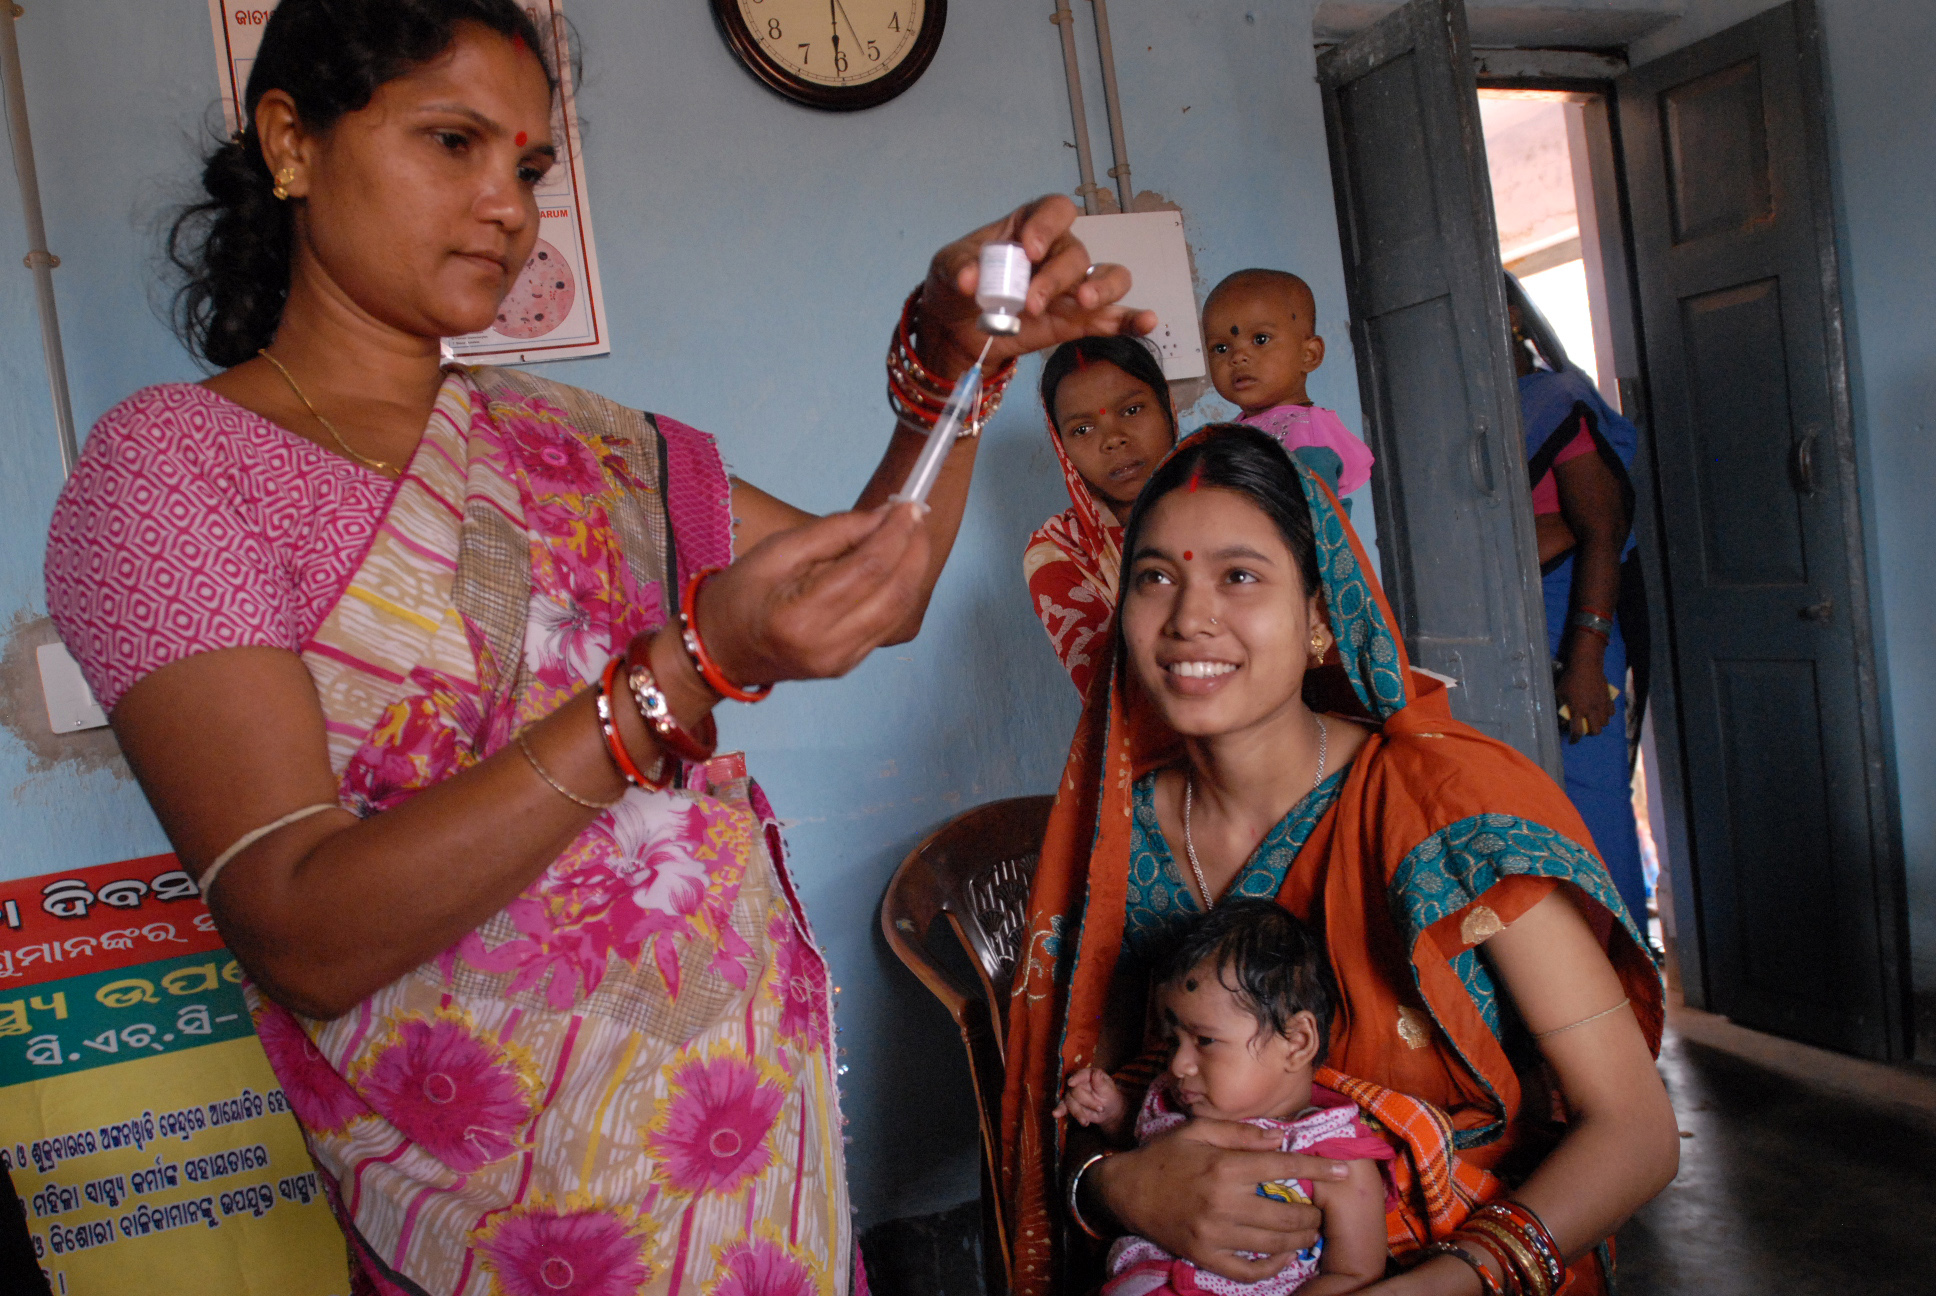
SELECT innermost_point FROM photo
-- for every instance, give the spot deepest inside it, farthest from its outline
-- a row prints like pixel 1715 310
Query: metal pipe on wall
pixel 1088 189
pixel 1112 104
pixel 38 259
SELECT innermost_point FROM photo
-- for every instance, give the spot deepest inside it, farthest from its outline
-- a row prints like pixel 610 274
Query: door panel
pixel 1779 817
pixel 1428 321
pixel 1717 152
pixel 1790 830
pixel 1739 384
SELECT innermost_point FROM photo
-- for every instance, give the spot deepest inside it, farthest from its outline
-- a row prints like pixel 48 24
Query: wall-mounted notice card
pixel 556 309
pixel 146 1135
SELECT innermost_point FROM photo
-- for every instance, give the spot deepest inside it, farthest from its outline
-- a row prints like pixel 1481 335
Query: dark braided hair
pixel 233 247
pixel 1273 963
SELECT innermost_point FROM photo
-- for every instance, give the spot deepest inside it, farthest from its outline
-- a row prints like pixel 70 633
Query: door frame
pixel 1620 274
pixel 1687 951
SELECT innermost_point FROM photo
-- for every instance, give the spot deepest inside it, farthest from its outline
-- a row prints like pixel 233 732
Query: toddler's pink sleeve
pixel 1329 430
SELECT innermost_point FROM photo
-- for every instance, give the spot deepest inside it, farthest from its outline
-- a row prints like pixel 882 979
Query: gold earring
pixel 284 178
pixel 1317 645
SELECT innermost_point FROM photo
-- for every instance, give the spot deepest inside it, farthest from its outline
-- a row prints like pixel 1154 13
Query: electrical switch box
pixel 1151 245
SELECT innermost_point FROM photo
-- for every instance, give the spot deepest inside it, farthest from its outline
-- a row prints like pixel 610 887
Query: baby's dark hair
pixel 1262 953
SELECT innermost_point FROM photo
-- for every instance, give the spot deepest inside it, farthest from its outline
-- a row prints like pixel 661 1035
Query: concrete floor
pixel 1803 1173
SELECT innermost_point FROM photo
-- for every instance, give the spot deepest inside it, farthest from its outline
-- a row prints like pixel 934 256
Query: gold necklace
pixel 376 464
pixel 1189 841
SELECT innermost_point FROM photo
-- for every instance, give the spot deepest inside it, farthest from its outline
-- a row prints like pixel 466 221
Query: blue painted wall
pixel 754 255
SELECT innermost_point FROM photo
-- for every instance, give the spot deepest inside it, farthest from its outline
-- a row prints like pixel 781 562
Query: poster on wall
pixel 556 309
pixel 147 1138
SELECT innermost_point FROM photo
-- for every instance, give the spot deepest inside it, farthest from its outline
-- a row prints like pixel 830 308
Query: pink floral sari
pixel 623 1082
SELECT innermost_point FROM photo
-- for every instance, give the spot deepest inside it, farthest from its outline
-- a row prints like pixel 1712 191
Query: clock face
pixel 834 53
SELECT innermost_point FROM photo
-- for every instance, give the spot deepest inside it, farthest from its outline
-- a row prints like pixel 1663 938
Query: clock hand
pixel 850 21
pixel 834 17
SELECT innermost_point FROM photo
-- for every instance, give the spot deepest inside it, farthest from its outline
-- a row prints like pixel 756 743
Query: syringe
pixel 959 409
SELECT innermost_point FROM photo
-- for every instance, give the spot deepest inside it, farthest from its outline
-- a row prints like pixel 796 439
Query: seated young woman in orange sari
pixel 1261 733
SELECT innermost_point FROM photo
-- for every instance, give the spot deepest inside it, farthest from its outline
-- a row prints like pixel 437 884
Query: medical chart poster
pixel 556 309
pixel 148 1140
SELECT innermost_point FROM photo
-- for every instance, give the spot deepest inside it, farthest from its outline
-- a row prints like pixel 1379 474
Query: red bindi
pixel 1187 555
pixel 522 137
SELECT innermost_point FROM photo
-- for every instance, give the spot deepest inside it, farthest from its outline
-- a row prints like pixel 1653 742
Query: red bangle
pixel 614 745
pixel 1533 1232
pixel 696 647
pixel 1508 1276
pixel 657 710
pixel 1594 611
pixel 1488 1284
pixel 917 394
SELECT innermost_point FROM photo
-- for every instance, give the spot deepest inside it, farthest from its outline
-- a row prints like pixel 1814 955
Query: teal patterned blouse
pixel 1163 897
pixel 1441 875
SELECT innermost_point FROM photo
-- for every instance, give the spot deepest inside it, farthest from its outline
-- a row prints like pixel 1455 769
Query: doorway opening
pixel 1541 149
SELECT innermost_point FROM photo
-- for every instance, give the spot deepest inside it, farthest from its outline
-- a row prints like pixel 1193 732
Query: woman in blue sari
pixel 1578 452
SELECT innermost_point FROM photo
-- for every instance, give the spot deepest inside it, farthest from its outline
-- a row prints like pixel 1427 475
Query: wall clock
pixel 834 54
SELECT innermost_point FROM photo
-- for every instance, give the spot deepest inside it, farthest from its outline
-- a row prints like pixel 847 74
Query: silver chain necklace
pixel 1189 843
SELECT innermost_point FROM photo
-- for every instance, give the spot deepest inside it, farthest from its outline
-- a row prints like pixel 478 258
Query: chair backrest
pixel 974 871
pixel 972 877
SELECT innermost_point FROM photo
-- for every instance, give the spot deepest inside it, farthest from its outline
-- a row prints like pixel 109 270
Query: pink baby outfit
pixel 1295 426
pixel 1332 1126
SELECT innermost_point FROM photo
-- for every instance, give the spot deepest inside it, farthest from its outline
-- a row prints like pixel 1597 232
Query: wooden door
pixel 1428 322
pixel 1795 863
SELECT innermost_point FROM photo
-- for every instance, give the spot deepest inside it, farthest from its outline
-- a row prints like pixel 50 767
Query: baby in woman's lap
pixel 1248 997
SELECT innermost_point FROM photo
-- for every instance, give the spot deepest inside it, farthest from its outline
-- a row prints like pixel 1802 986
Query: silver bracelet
pixel 1075 1186
pixel 1591 621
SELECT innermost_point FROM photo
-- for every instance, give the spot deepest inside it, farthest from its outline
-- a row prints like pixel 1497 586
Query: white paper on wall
pixel 1151 245
pixel 556 309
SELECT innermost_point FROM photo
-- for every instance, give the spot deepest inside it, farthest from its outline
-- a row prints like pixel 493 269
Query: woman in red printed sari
pixel 1261 733
pixel 416 664
pixel 1111 423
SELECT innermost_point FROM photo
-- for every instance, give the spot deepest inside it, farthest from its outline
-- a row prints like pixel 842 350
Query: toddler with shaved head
pixel 1260 334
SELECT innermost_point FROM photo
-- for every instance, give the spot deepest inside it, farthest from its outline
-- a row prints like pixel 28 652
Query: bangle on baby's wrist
pixel 1074 1202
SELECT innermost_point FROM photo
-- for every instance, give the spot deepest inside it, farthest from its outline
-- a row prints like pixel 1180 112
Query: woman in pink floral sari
pixel 525 956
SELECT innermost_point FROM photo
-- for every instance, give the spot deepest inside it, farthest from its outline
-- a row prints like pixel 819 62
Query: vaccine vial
pixel 1004 287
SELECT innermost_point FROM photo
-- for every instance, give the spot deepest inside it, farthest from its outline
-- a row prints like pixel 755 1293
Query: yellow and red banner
pixel 147 1137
